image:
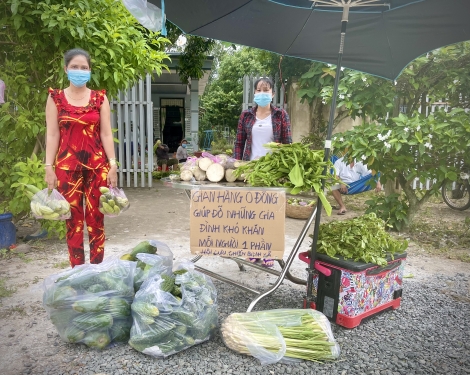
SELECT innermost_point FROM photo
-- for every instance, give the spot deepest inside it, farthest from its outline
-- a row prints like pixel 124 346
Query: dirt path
pixel 161 213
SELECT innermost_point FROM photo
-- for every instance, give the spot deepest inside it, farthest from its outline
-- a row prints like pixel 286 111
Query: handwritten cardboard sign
pixel 238 223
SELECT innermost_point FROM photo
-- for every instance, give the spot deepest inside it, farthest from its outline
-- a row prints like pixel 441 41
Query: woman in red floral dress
pixel 80 154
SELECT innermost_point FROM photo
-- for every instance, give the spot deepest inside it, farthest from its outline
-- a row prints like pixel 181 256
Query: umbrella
pixel 383 36
pixel 381 40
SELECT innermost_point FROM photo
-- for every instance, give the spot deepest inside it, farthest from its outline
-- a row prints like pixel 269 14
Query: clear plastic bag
pixel 277 344
pixel 91 303
pixel 230 163
pixel 151 265
pixel 147 14
pixel 50 205
pixel 224 160
pixel 113 201
pixel 190 164
pixel 173 312
pixel 215 158
pixel 282 334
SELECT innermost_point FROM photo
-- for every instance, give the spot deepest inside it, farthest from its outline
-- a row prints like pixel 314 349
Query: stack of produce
pixel 361 239
pixel 47 204
pixel 294 166
pixel 113 201
pixel 152 258
pixel 173 312
pixel 91 303
pixel 209 167
pixel 274 334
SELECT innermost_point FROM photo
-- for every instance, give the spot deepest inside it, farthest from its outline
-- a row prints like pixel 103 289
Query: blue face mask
pixel 78 78
pixel 263 99
pixel 184 145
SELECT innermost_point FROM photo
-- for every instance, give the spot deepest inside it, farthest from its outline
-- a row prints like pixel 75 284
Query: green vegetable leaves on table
pixel 294 166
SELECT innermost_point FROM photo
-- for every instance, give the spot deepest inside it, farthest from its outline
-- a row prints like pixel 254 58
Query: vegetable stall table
pixel 206 188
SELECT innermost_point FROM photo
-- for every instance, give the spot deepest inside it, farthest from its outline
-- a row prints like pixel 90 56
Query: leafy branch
pixel 408 147
pixel 192 60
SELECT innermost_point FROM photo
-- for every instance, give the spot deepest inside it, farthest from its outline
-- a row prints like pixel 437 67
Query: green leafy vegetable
pixel 294 166
pixel 361 239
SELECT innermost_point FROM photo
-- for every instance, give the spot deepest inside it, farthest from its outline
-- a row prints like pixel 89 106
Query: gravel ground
pixel 428 334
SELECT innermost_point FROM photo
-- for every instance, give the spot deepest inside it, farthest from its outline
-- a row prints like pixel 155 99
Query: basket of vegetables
pixel 299 208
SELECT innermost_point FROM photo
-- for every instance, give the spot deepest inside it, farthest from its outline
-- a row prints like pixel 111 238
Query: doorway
pixel 172 122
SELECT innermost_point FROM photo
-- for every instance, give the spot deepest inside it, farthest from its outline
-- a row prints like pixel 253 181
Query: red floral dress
pixel 81 169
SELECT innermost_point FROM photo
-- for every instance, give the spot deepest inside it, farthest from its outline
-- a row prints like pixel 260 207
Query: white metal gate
pixel 132 118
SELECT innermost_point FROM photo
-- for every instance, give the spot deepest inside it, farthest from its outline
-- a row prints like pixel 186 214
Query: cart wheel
pixel 456 194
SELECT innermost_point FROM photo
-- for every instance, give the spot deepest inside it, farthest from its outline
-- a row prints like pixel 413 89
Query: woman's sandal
pixel 268 263
pixel 254 260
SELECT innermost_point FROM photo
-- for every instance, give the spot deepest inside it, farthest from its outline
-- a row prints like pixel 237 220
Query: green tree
pixel 193 57
pixel 439 74
pixel 413 144
pixel 193 53
pixel 429 148
pixel 33 38
pixel 359 95
pixel 285 67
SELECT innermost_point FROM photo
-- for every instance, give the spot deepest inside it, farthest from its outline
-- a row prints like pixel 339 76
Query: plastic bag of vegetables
pixel 47 204
pixel 152 257
pixel 190 171
pixel 113 201
pixel 190 163
pixel 208 167
pixel 173 312
pixel 281 334
pixel 91 303
pixel 151 265
pixel 215 166
pixel 143 247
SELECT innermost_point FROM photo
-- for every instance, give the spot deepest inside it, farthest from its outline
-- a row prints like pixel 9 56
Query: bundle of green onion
pixel 274 334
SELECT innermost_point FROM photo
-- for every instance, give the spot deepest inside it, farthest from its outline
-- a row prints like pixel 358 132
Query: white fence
pixel 418 185
pixel 132 117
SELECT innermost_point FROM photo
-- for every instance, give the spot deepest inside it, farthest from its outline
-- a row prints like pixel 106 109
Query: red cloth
pixel 74 186
pixel 281 130
pixel 80 145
